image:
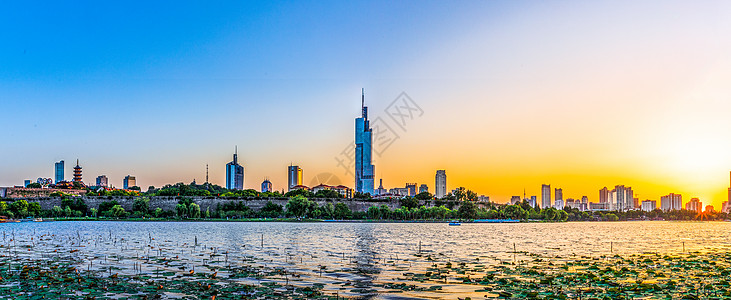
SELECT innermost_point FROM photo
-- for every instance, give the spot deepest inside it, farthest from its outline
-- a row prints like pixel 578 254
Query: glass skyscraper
pixel 294 176
pixel 59 171
pixel 364 169
pixel 234 174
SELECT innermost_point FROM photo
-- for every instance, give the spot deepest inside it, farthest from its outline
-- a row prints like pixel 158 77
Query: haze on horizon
pixel 576 94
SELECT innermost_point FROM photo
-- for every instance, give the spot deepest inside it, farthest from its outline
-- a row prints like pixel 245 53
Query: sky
pixel 507 95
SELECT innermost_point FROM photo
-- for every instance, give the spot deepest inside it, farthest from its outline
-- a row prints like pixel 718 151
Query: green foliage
pixel 34 185
pixel 299 206
pixel 327 194
pixel 359 195
pixel 299 192
pixel 342 211
pixel 409 202
pixel 467 210
pixel 271 210
pixel 117 211
pixel 181 189
pixel 19 208
pixel 107 205
pixel 424 196
pixel 194 211
pixel 142 205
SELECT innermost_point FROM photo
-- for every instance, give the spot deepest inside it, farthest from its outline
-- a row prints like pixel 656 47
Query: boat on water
pixel 455 223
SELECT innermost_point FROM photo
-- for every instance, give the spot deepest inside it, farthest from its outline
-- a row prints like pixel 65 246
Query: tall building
pixel 558 194
pixel 59 166
pixel 423 188
pixel 515 200
pixel 604 195
pixel 129 181
pixel 440 184
pixel 694 205
pixel 545 196
pixel 412 189
pixel 629 199
pixel 649 205
pixel 234 174
pixel 364 169
pixel 671 202
pixel 620 193
pixel 77 172
pixel 102 181
pixel 266 186
pixel 294 176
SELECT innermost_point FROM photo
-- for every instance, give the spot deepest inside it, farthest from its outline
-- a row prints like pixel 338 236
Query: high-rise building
pixel 619 192
pixel 234 174
pixel 102 180
pixel 558 204
pixel 533 201
pixel 515 200
pixel 423 188
pixel 440 184
pixel 129 181
pixel 294 176
pixel 649 205
pixel 629 199
pixel 266 186
pixel 77 172
pixel 545 196
pixel 671 202
pixel 604 195
pixel 709 209
pixel 412 189
pixel 364 169
pixel 26 182
pixel 694 205
pixel 59 167
pixel 558 194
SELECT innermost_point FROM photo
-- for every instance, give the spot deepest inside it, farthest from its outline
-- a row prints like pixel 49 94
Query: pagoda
pixel 77 172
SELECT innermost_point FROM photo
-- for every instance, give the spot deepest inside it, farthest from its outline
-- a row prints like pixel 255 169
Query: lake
pixel 359 260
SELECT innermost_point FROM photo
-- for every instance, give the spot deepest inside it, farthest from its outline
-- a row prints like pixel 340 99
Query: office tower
pixel 266 186
pixel 423 188
pixel 234 174
pixel 558 194
pixel 671 202
pixel 545 196
pixel 129 181
pixel 26 182
pixel 604 195
pixel 59 166
pixel 102 181
pixel 411 187
pixel 294 176
pixel 629 199
pixel 364 169
pixel 649 205
pixel 77 172
pixel 440 184
pixel 694 205
pixel 558 204
pixel 515 200
pixel 533 201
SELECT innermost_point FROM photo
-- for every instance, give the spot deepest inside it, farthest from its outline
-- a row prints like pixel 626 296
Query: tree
pixel 142 205
pixel 299 206
pixel 19 208
pixel 34 209
pixel 107 205
pixel 181 209
pixel 424 196
pixel 34 185
pixel 157 213
pixel 327 194
pixel 467 210
pixel 117 211
pixel 359 195
pixel 271 210
pixel 470 195
pixel 135 188
pixel 515 212
pixel 94 212
pixel 342 211
pixel 299 192
pixel 194 211
pixel 328 210
pixel 409 202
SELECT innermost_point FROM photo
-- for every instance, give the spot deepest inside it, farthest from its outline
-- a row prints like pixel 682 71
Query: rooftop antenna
pixel 206 173
pixel 362 97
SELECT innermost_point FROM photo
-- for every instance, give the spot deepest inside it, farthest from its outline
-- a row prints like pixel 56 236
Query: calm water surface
pixel 350 259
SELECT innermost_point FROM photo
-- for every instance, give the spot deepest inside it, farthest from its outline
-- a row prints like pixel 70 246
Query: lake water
pixel 349 259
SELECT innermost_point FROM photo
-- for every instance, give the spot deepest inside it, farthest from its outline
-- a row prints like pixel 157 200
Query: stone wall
pixel 21 192
pixel 168 203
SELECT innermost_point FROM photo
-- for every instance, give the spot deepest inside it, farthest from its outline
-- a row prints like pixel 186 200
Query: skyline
pixel 515 94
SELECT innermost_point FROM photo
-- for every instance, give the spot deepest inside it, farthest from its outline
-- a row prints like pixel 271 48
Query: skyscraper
pixel 423 188
pixel 234 174
pixel 102 181
pixel 77 172
pixel 364 169
pixel 411 187
pixel 440 184
pixel 671 202
pixel 129 181
pixel 294 176
pixel 558 194
pixel 266 186
pixel 604 195
pixel 59 171
pixel 545 196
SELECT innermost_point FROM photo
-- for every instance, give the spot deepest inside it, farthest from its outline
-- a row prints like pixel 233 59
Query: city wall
pixel 168 203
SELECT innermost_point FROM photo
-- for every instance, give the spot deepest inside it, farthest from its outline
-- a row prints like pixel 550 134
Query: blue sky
pixel 514 93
